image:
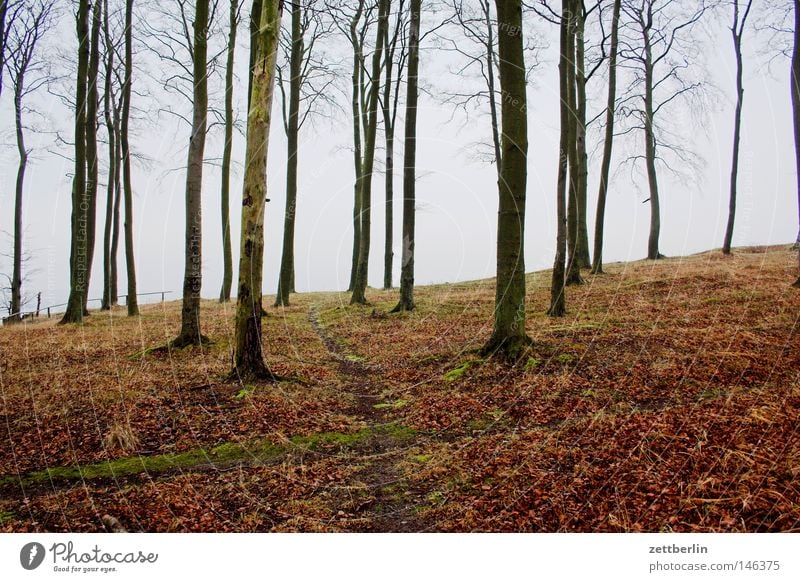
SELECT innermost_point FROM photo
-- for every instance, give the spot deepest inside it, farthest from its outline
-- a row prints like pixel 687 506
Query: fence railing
pixel 51 309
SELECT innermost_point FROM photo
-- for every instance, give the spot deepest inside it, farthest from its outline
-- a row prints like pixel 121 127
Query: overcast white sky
pixel 457 196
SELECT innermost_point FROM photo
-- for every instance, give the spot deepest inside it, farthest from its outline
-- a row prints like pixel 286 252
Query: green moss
pixel 396 404
pixel 354 358
pixel 421 458
pixel 5 516
pixel 565 359
pixel 532 364
pixel 457 373
pixel 244 392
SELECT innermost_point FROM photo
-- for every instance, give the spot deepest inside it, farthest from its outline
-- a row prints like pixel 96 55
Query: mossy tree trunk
pixel 508 337
pixel 130 263
pixel 79 283
pixel 365 188
pixel 190 333
pixel 225 194
pixel 558 284
pixel 608 142
pixel 410 163
pixel 248 355
pixel 286 275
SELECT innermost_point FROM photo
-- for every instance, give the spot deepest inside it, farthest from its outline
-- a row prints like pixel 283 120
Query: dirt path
pixel 379 498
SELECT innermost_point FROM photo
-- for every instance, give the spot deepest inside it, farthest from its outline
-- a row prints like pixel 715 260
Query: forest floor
pixel 668 399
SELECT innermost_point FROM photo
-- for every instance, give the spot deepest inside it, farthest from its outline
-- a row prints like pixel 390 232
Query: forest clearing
pixel 666 400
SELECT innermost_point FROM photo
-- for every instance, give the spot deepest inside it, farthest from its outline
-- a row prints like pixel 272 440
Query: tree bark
pixel 650 150
pixel 582 252
pixel 498 154
pixel 130 264
pixel 91 143
pixel 356 106
pixel 795 88
pixel 388 130
pixel 192 277
pixel 573 203
pixel 248 355
pixel 608 143
pixel 115 231
pixel 225 195
pixel 365 189
pixel 79 282
pixel 508 338
pixel 3 13
pixel 410 163
pixel 16 278
pixel 736 33
pixel 558 284
pixel 286 276
pixel 108 108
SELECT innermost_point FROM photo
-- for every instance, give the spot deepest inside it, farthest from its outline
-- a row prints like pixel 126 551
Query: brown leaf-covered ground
pixel 667 400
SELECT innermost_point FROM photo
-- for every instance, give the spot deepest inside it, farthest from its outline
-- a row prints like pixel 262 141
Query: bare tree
pixel 737 32
pixel 657 49
pixel 27 73
pixel 608 142
pixel 365 179
pixel 306 92
pixel 130 264
pixel 79 282
pixel 410 163
pixel 509 337
pixel 248 354
pixel 795 88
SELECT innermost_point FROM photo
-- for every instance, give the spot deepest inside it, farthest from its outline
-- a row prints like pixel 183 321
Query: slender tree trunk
pixel 356 105
pixel 365 190
pixel 192 276
pixel 558 284
pixel 737 127
pixel 248 355
pixel 573 204
pixel 3 12
pixel 498 155
pixel 16 278
pixel 509 337
pixel 410 163
pixel 79 282
pixel 650 152
pixel 795 80
pixel 108 108
pixel 597 266
pixel 286 276
pixel 130 264
pixel 388 130
pixel 91 143
pixel 227 253
pixel 582 252
pixel 113 295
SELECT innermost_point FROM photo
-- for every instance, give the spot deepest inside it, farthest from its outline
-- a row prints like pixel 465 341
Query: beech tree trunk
pixel 356 106
pixel 248 354
pixel 508 337
pixel 650 152
pixel 286 276
pixel 365 189
pixel 795 88
pixel 92 100
pixel 192 276
pixel 558 284
pixel 582 252
pixel 225 195
pixel 410 163
pixel 608 143
pixel 16 278
pixel 573 203
pixel 79 281
pixel 108 117
pixel 130 264
pixel 388 131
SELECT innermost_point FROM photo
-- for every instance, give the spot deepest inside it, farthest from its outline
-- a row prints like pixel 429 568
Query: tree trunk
pixel 114 297
pixel 410 164
pixel 227 253
pixel 508 337
pixel 582 252
pixel 79 282
pixel 573 265
pixel 3 12
pixel 108 108
pixel 91 143
pixel 16 279
pixel 650 152
pixel 286 276
pixel 357 86
pixel 388 130
pixel 737 126
pixel 248 355
pixel 130 264
pixel 498 155
pixel 192 275
pixel 365 189
pixel 558 284
pixel 597 266
pixel 795 80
